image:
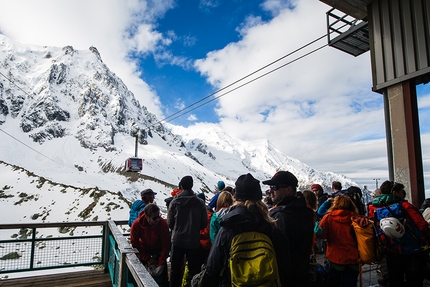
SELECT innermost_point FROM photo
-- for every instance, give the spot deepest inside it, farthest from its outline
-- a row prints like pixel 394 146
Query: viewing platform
pixel 72 254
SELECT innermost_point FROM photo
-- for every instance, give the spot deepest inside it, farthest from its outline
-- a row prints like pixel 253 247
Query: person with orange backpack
pixel 342 251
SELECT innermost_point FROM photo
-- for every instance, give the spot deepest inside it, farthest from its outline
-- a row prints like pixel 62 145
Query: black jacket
pixel 236 221
pixel 296 221
pixel 186 217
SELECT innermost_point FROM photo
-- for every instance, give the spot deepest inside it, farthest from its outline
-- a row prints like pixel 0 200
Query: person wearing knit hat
pixel 248 214
pixel 186 216
pixel 320 243
pixel 296 221
pixel 220 186
pixel 248 188
pixel 186 182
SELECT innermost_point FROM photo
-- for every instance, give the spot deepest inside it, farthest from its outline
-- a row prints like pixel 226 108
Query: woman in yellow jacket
pixel 341 250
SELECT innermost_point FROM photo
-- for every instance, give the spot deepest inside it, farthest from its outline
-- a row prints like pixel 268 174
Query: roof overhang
pixel 354 8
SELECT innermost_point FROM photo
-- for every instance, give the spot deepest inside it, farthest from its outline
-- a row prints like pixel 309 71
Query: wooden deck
pixel 90 278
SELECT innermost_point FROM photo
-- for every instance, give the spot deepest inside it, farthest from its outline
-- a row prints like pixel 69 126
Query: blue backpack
pixel 413 241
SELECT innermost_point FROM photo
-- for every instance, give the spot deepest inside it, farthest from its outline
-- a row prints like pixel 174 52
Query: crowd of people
pixel 199 237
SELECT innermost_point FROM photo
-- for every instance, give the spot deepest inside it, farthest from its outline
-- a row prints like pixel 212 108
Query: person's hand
pixel 151 269
pixel 151 261
pixel 158 270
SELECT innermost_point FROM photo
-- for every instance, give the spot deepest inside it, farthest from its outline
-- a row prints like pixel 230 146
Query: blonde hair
pixel 343 202
pixel 258 207
pixel 225 199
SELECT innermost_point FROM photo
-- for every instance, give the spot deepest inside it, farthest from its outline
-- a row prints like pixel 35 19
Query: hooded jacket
pixel 135 210
pixel 150 239
pixel 215 222
pixel 380 201
pixel 341 245
pixel 236 221
pixel 186 217
pixel 296 221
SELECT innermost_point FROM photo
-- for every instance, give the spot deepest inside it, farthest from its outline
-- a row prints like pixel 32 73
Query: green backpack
pixel 252 261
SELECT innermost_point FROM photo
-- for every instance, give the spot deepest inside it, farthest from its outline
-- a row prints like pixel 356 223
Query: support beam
pixel 405 140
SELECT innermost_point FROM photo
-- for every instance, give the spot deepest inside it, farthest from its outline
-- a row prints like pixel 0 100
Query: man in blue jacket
pixel 147 196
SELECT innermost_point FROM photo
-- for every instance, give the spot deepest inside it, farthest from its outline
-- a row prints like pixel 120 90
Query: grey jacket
pixel 186 217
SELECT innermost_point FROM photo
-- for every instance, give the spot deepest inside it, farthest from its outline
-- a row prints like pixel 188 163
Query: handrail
pixel 116 253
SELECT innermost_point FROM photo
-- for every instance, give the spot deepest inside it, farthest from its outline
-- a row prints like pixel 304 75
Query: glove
pixel 317 229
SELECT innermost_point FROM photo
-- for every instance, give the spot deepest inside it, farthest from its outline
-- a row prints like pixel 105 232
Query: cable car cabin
pixel 133 164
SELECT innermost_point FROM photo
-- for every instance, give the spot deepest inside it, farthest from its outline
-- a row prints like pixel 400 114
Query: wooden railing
pixel 43 246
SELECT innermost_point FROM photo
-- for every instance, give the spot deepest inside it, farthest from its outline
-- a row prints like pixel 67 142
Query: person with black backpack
pixel 247 236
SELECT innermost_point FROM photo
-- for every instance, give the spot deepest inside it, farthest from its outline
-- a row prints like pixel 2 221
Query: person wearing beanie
pixel 296 221
pixel 186 217
pixel 248 214
pixel 220 186
pixel 319 192
pixel 321 198
pixel 147 196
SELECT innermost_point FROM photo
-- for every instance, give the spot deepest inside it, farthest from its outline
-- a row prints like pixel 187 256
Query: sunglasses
pixel 276 187
pixel 156 217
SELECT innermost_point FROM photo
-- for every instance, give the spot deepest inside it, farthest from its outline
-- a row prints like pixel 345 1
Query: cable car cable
pixel 237 81
pixel 30 147
pixel 185 110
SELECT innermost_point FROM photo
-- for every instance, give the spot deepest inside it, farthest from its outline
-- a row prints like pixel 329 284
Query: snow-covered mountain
pixel 67 124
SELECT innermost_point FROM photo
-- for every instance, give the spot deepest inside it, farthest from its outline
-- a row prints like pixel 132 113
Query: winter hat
pixel 202 196
pixel 186 182
pixel 146 192
pixel 221 185
pixel 316 186
pixel 282 178
pixel 248 188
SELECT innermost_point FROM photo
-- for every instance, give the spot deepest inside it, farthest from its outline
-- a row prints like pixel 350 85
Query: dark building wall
pixel 400 30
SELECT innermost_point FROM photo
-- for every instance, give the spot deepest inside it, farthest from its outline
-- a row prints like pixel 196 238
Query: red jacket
pixel 150 239
pixel 341 246
pixel 205 241
pixel 411 210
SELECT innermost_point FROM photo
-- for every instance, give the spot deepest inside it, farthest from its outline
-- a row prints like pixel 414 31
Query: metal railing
pixel 42 246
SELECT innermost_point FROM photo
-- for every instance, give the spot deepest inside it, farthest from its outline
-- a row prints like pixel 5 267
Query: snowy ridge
pixel 66 118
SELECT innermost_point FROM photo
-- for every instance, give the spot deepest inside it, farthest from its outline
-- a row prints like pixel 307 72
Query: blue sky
pixel 198 27
pixel 171 53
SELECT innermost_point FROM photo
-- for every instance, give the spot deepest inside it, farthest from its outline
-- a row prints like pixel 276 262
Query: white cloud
pixel 179 104
pixel 192 118
pixel 115 27
pixel 319 109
